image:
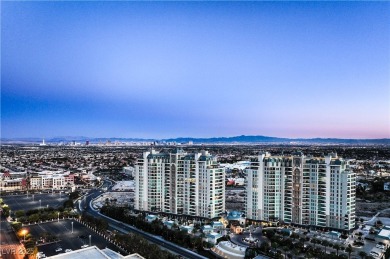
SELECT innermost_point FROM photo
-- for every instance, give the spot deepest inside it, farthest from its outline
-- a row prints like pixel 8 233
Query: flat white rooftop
pixel 95 253
pixel 384 233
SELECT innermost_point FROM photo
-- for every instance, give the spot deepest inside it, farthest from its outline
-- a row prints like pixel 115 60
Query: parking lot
pixel 35 201
pixel 67 239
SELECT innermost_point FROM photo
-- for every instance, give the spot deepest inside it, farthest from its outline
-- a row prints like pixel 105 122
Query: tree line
pixel 130 242
pixel 156 227
pixel 281 245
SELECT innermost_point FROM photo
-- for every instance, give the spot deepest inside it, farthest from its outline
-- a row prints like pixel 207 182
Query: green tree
pixel 285 249
pixel 250 253
pixel 274 245
pixel 295 251
pixel 16 226
pixel 337 247
pixel 19 213
pixel 378 223
pixel 325 243
pixel 264 247
pixel 314 242
pixel 349 250
pixel 74 195
pixel 362 254
pixel 5 211
pixel 68 204
pixel 33 218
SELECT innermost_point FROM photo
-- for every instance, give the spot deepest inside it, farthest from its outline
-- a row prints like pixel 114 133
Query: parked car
pixel 58 249
pixel 84 246
pixel 68 250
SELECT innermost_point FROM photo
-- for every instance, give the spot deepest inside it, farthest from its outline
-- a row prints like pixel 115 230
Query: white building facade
pixel 51 180
pixel 302 190
pixel 180 183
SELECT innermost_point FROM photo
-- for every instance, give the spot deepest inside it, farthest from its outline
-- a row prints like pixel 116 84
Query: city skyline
pixel 195 69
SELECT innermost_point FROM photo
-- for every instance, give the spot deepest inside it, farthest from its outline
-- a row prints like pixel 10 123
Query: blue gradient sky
pixel 201 69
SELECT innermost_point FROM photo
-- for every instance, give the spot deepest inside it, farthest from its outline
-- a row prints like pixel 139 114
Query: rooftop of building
pixel 385 232
pixel 95 253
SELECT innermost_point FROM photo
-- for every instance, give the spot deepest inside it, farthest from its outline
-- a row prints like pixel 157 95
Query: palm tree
pixel 309 255
pixel 285 249
pixel 337 247
pixel 349 250
pixel 325 243
pixel 362 254
pixel 314 241
pixel 274 245
pixel 295 252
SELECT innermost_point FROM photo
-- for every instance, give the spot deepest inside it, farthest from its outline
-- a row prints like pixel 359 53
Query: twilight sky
pixel 199 69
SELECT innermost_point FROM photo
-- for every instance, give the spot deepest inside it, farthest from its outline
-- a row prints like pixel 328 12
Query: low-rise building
pixel 384 235
pixel 51 180
pixel 13 181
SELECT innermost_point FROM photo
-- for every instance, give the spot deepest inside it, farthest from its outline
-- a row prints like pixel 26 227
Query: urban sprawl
pixel 165 200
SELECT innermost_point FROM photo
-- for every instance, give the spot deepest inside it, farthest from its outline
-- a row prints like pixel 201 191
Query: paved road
pixel 376 217
pixel 9 243
pixel 125 228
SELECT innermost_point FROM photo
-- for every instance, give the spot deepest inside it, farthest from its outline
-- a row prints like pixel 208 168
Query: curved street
pixel 125 228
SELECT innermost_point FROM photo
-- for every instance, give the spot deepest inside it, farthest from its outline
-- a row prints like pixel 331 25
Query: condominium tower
pixel 180 183
pixel 302 190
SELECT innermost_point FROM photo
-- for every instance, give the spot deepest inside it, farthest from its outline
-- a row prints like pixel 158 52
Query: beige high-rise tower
pixel 180 183
pixel 303 190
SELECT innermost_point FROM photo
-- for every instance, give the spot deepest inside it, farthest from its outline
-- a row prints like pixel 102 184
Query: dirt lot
pixel 369 209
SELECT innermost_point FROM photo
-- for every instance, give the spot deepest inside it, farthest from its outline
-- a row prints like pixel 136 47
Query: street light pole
pixel 24 232
pixel 72 227
pixel 58 218
pixel 33 197
pixel 40 204
pixel 89 240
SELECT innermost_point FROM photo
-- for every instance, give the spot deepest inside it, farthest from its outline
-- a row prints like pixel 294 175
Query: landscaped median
pixel 130 243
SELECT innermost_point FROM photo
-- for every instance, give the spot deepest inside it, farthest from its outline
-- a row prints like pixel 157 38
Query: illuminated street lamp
pixel 58 219
pixel 24 232
pixel 89 240
pixel 72 227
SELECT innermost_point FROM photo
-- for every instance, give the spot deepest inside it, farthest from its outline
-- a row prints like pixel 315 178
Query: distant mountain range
pixel 228 140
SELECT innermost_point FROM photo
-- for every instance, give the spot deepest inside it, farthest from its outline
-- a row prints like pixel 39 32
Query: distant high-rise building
pixel 303 190
pixel 43 143
pixel 180 183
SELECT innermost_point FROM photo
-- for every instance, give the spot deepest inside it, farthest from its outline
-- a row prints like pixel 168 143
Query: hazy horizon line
pixel 186 137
